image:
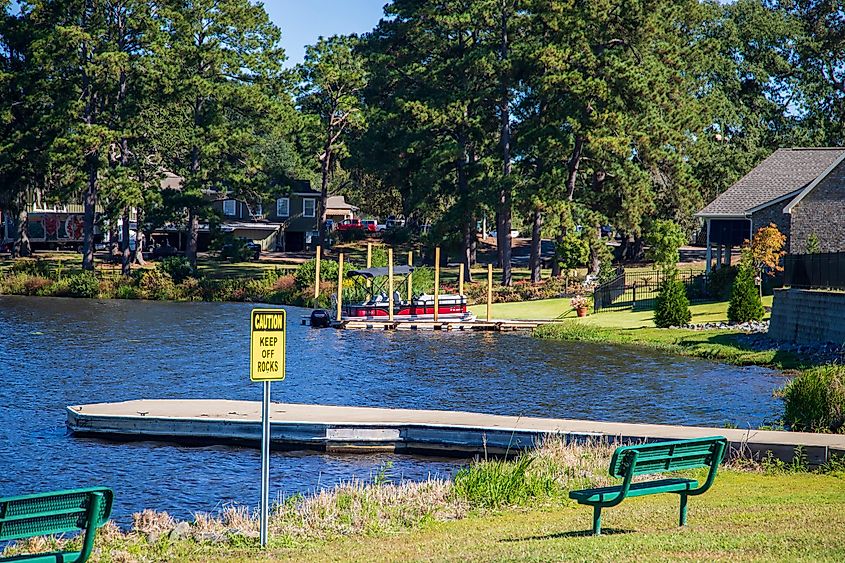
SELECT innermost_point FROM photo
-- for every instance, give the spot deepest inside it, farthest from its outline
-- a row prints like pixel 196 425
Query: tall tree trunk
pixel 126 252
pixel 504 215
pixel 90 215
pixel 466 224
pixel 325 167
pixel 140 237
pixel 193 237
pixel 572 167
pixel 21 247
pixel 534 261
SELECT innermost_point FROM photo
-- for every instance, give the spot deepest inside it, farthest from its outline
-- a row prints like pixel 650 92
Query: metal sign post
pixel 266 363
pixel 265 464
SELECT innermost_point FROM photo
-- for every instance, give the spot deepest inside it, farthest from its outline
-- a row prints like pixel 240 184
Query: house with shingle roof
pixel 800 190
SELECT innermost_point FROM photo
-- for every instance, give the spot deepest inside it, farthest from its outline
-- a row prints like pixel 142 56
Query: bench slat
pixel 602 494
pixel 658 457
pixel 50 513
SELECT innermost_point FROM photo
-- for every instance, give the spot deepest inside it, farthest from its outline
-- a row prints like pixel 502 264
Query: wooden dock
pixel 468 326
pixel 358 429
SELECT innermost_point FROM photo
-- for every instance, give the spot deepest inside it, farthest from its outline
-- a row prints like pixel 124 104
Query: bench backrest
pixel 662 457
pixel 56 512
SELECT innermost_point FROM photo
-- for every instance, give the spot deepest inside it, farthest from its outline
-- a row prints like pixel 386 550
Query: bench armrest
pixel 718 453
pixel 626 481
pixel 93 516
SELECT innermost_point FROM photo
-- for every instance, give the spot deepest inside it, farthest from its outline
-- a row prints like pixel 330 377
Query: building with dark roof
pixel 800 190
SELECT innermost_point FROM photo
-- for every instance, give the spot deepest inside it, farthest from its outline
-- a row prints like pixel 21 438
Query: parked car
pixel 349 225
pixel 514 234
pixel 369 225
pixel 394 222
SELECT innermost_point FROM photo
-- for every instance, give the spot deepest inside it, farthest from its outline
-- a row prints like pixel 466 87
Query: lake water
pixel 59 352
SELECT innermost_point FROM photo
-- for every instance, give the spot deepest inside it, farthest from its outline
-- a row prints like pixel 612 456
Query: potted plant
pixel 580 304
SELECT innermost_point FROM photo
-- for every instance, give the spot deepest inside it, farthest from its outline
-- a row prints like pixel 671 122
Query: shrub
pixel 398 236
pixel 178 268
pixel 672 304
pixel 719 282
pixel 125 292
pixel 745 302
pixel 814 401
pixel 83 284
pixel 328 272
pixel 573 251
pixel 31 267
pixel 37 285
pixel 495 484
pixel 155 284
pixel 351 235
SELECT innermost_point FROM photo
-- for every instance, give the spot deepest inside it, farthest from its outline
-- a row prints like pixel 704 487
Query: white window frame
pixel 286 201
pixel 313 209
pixel 234 208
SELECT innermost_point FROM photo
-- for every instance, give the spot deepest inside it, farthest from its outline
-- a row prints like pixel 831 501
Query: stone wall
pixel 821 212
pixel 808 316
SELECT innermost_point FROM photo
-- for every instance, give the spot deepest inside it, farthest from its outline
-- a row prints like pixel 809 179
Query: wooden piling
pixel 461 280
pixel 390 284
pixel 489 292
pixel 436 281
pixel 369 262
pixel 317 274
pixel 339 287
pixel 410 277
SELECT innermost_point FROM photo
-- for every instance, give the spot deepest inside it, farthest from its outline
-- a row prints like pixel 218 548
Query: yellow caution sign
pixel 267 345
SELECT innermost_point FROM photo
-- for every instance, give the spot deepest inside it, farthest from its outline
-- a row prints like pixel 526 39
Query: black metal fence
pixel 639 290
pixel 824 270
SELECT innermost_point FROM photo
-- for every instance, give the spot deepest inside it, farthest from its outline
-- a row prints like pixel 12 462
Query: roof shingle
pixel 785 171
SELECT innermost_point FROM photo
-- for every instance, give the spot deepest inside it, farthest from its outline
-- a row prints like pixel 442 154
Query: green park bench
pixel 648 459
pixel 53 513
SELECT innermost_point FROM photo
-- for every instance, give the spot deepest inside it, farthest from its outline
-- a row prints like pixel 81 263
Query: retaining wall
pixel 808 316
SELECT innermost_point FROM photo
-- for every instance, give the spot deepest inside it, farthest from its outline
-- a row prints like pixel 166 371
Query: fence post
pixel 634 296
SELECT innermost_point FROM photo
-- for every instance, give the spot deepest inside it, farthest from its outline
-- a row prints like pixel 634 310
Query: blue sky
pixel 303 21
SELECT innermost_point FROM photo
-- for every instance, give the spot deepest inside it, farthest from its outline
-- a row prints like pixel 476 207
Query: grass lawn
pixel 551 309
pixel 746 516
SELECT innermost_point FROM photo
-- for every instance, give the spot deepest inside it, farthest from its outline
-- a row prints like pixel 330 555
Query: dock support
pixel 489 292
pixel 369 262
pixel 390 284
pixel 317 274
pixel 339 286
pixel 460 281
pixel 436 281
pixel 410 277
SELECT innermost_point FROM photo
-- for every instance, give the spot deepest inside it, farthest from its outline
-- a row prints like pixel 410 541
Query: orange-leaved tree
pixel 766 250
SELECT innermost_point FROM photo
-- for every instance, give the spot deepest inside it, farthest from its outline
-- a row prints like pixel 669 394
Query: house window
pixel 283 207
pixel 309 207
pixel 230 208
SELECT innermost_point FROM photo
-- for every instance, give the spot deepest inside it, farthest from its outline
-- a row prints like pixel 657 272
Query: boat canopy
pixel 382 272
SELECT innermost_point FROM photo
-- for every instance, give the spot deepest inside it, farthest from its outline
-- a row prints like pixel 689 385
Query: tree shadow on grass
pixel 573 534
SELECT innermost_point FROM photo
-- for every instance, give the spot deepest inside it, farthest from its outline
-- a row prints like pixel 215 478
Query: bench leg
pixel 597 520
pixel 683 516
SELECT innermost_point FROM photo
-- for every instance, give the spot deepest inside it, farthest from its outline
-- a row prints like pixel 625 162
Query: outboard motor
pixel 320 318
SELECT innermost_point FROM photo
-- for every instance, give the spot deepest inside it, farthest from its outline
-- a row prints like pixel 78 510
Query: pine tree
pixel 672 306
pixel 745 304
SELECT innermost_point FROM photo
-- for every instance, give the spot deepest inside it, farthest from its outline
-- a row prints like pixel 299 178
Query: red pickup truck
pixel 350 225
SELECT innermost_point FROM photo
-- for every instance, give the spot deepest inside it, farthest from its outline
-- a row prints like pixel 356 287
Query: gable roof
pixel 783 174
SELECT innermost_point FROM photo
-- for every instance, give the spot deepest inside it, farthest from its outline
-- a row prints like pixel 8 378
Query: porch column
pixel 708 255
pixel 729 251
pixel 718 256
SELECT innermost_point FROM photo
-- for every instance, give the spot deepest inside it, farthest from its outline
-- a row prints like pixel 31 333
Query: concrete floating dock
pixel 360 429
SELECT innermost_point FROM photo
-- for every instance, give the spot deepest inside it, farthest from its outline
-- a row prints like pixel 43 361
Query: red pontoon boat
pixel 377 302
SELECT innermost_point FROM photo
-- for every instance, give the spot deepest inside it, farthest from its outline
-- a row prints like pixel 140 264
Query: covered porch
pixel 724 233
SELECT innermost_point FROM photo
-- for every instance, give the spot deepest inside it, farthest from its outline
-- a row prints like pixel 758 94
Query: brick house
pixel 801 190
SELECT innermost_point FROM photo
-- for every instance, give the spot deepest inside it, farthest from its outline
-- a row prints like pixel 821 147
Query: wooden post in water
pixel 489 292
pixel 369 262
pixel 317 275
pixel 436 281
pixel 461 280
pixel 410 277
pixel 339 286
pixel 390 284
